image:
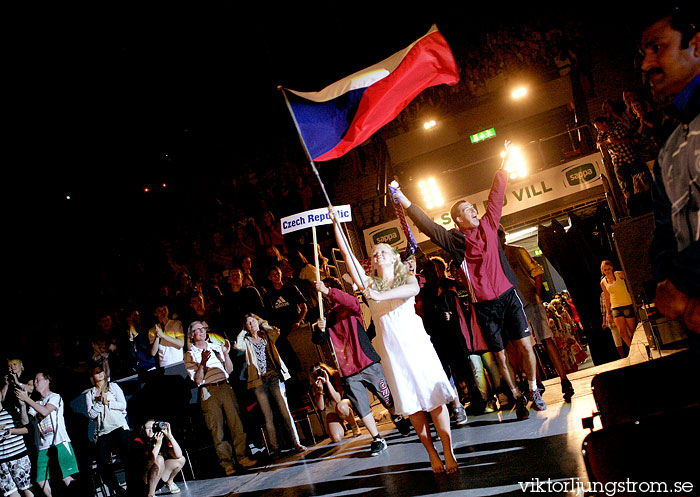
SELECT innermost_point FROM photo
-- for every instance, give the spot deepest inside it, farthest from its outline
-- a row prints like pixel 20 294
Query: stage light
pixel 519 92
pixel 429 124
pixel 146 190
pixel 164 185
pixel 431 193
pixel 515 166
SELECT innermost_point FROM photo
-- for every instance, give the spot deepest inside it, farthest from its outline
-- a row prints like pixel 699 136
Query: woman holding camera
pixel 265 371
pixel 106 406
pixel 328 398
pixel 158 461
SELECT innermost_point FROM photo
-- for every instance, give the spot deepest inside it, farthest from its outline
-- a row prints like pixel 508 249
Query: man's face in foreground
pixel 668 67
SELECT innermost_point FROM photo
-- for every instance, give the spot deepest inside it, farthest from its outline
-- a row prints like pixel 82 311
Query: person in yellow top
pixel 618 301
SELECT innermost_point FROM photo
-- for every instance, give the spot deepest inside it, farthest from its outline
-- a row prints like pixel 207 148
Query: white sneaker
pixel 174 489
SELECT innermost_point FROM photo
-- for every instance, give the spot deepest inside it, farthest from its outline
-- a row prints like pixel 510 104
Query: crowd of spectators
pixel 193 268
pixel 509 53
pixel 631 130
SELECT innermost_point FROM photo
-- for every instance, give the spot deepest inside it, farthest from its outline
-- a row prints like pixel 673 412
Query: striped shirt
pixel 12 447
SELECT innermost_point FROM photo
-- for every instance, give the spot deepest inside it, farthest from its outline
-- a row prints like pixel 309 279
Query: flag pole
pixel 303 144
pixel 313 166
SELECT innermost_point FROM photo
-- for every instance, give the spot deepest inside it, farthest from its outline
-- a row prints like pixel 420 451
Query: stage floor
pixel 497 454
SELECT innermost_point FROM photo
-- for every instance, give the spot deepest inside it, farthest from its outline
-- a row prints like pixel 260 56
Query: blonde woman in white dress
pixel 413 370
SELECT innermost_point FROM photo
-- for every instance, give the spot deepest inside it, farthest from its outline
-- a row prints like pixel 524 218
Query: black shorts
pixel 502 319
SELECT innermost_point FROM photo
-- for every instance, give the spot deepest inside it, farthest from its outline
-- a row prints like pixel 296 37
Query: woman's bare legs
pixel 419 420
pixel 441 421
pixel 621 323
pixel 153 473
pixel 171 467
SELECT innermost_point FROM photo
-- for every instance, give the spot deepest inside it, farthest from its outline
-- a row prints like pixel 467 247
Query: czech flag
pixel 345 114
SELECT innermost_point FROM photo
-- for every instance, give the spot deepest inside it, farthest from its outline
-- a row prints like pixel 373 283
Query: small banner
pixel 315 217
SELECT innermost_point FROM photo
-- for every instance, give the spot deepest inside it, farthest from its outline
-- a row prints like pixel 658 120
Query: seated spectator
pixel 266 370
pixel 106 405
pixel 155 462
pixel 248 273
pixel 245 244
pixel 15 465
pixel 270 232
pixel 219 255
pixel 51 429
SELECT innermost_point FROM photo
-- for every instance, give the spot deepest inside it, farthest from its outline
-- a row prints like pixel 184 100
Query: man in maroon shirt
pixel 475 247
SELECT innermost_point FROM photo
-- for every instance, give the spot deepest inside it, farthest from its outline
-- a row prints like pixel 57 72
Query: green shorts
pixel 66 461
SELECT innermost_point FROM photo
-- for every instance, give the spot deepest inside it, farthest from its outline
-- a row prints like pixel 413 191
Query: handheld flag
pixel 411 245
pixel 345 114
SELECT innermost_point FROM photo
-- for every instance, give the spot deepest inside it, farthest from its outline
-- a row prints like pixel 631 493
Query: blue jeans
pixel 269 394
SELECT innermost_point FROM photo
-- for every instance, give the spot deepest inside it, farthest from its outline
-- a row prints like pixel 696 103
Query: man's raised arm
pixel 438 234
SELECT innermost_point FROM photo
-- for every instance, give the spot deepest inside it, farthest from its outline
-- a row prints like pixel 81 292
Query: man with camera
pixel 209 366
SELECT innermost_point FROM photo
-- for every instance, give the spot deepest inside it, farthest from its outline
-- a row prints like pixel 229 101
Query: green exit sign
pixel 483 135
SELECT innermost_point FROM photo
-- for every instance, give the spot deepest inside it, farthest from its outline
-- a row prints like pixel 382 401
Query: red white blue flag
pixel 346 113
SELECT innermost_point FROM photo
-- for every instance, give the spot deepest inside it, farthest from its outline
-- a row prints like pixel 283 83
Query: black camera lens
pixel 318 373
pixel 159 426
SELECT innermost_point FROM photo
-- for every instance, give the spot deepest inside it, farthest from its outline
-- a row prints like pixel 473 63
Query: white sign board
pixel 538 188
pixel 314 217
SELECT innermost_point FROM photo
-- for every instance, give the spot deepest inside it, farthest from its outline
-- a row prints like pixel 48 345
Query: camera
pixel 12 380
pixel 159 426
pixel 318 373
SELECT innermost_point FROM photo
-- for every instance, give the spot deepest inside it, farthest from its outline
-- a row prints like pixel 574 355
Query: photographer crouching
pixel 158 458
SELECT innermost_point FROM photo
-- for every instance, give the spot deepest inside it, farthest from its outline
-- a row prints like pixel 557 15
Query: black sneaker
pixel 521 411
pixel 567 389
pixel 377 446
pixel 403 425
pixel 537 401
pixel 460 416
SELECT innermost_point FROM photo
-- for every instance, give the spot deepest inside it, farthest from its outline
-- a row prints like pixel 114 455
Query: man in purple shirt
pixel 475 247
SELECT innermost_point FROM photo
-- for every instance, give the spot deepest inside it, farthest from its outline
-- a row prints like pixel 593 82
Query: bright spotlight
pixel 431 193
pixel 519 92
pixel 429 124
pixel 516 167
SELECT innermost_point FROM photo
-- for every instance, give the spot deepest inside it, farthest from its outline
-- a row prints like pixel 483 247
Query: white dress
pixel 411 365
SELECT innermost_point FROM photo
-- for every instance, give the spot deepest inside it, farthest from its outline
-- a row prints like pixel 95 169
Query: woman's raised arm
pixel 353 265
